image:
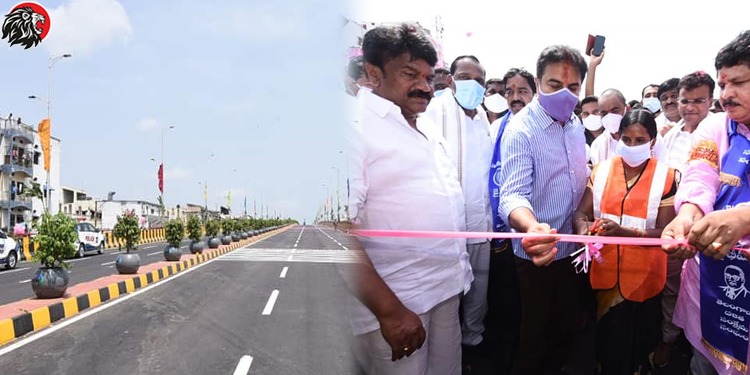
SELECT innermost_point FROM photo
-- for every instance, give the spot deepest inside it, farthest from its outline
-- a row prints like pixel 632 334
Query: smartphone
pixel 598 45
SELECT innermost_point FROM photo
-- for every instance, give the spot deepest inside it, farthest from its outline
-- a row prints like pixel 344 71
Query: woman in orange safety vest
pixel 628 195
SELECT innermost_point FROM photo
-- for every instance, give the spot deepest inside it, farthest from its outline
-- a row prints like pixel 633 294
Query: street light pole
pixel 51 62
pixel 338 193
pixel 163 169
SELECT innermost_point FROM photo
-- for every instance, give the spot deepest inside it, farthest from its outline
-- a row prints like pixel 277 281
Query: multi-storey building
pixel 23 163
pixel 78 205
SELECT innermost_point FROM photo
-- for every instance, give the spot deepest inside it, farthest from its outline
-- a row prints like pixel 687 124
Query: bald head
pixel 612 101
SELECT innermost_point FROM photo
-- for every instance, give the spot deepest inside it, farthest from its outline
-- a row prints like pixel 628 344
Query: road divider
pixel 28 246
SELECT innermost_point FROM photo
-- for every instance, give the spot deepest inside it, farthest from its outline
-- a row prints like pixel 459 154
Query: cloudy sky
pixel 647 41
pixel 249 82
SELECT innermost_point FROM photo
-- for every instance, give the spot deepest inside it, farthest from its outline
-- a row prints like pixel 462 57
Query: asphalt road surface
pixel 278 306
pixel 15 284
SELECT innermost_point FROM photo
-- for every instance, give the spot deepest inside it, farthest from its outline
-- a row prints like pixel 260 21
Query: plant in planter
pixel 236 230
pixel 212 231
pixel 175 232
pixel 243 228
pixel 56 238
pixel 226 231
pixel 128 229
pixel 195 232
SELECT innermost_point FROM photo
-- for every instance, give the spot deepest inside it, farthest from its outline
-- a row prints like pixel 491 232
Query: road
pixel 16 283
pixel 275 307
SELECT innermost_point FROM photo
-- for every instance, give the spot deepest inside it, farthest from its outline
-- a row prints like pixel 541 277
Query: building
pixel 23 165
pixel 147 212
pixel 78 205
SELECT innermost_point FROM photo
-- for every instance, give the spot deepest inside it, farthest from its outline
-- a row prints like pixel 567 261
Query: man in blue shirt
pixel 543 174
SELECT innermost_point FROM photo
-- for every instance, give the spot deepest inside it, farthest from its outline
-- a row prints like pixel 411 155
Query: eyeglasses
pixel 698 101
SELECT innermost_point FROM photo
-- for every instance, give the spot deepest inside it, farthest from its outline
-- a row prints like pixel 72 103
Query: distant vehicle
pixel 10 251
pixel 89 239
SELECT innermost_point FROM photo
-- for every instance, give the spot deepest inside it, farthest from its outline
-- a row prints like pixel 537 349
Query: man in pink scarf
pixel 713 205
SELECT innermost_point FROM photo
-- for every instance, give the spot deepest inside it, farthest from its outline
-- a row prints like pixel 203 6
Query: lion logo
pixel 26 25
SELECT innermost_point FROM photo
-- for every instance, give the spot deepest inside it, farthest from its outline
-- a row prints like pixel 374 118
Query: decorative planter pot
pixel 235 237
pixel 243 235
pixel 214 242
pixel 196 247
pixel 226 240
pixel 49 282
pixel 172 254
pixel 128 263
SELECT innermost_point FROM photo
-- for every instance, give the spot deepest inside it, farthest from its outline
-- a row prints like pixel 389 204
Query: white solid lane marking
pixel 154 253
pixel 271 301
pixel 12 271
pixel 24 281
pixel 108 263
pixel 283 272
pixel 243 367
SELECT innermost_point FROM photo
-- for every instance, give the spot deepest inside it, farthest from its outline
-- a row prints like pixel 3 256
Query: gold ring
pixel 716 245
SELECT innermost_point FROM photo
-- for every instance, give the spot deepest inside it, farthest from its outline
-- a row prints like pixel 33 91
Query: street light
pixel 52 61
pixel 338 193
pixel 163 169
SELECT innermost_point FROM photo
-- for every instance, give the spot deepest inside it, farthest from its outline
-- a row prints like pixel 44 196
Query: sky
pixel 647 41
pixel 247 85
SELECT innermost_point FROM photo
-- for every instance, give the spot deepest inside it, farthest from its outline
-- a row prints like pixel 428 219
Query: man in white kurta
pixel 406 318
pixel 461 120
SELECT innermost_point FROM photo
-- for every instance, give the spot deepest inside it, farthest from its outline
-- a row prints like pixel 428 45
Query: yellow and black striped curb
pixel 28 247
pixel 39 318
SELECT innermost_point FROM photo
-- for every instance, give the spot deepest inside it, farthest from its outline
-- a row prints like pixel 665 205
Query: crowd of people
pixel 436 148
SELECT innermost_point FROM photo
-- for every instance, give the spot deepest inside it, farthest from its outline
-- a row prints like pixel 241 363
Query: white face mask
pixel 495 103
pixel 634 155
pixel 652 104
pixel 592 122
pixel 611 122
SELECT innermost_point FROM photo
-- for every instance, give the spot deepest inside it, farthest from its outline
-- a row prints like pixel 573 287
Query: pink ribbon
pixel 589 252
pixel 581 262
pixel 639 241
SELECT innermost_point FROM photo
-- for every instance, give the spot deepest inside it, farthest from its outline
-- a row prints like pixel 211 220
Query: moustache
pixel 420 94
pixel 522 104
pixel 727 103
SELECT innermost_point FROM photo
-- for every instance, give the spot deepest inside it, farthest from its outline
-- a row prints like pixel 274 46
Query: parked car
pixel 10 251
pixel 89 239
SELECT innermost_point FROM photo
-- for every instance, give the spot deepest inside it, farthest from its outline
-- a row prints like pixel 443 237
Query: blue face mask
pixel 469 93
pixel 560 104
pixel 441 92
pixel 652 104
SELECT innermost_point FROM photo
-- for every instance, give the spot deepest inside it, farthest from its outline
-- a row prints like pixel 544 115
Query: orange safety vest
pixel 639 271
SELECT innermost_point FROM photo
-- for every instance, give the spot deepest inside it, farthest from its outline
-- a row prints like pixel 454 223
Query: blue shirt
pixel 543 169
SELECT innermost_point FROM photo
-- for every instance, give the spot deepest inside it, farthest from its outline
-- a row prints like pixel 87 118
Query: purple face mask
pixel 559 104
